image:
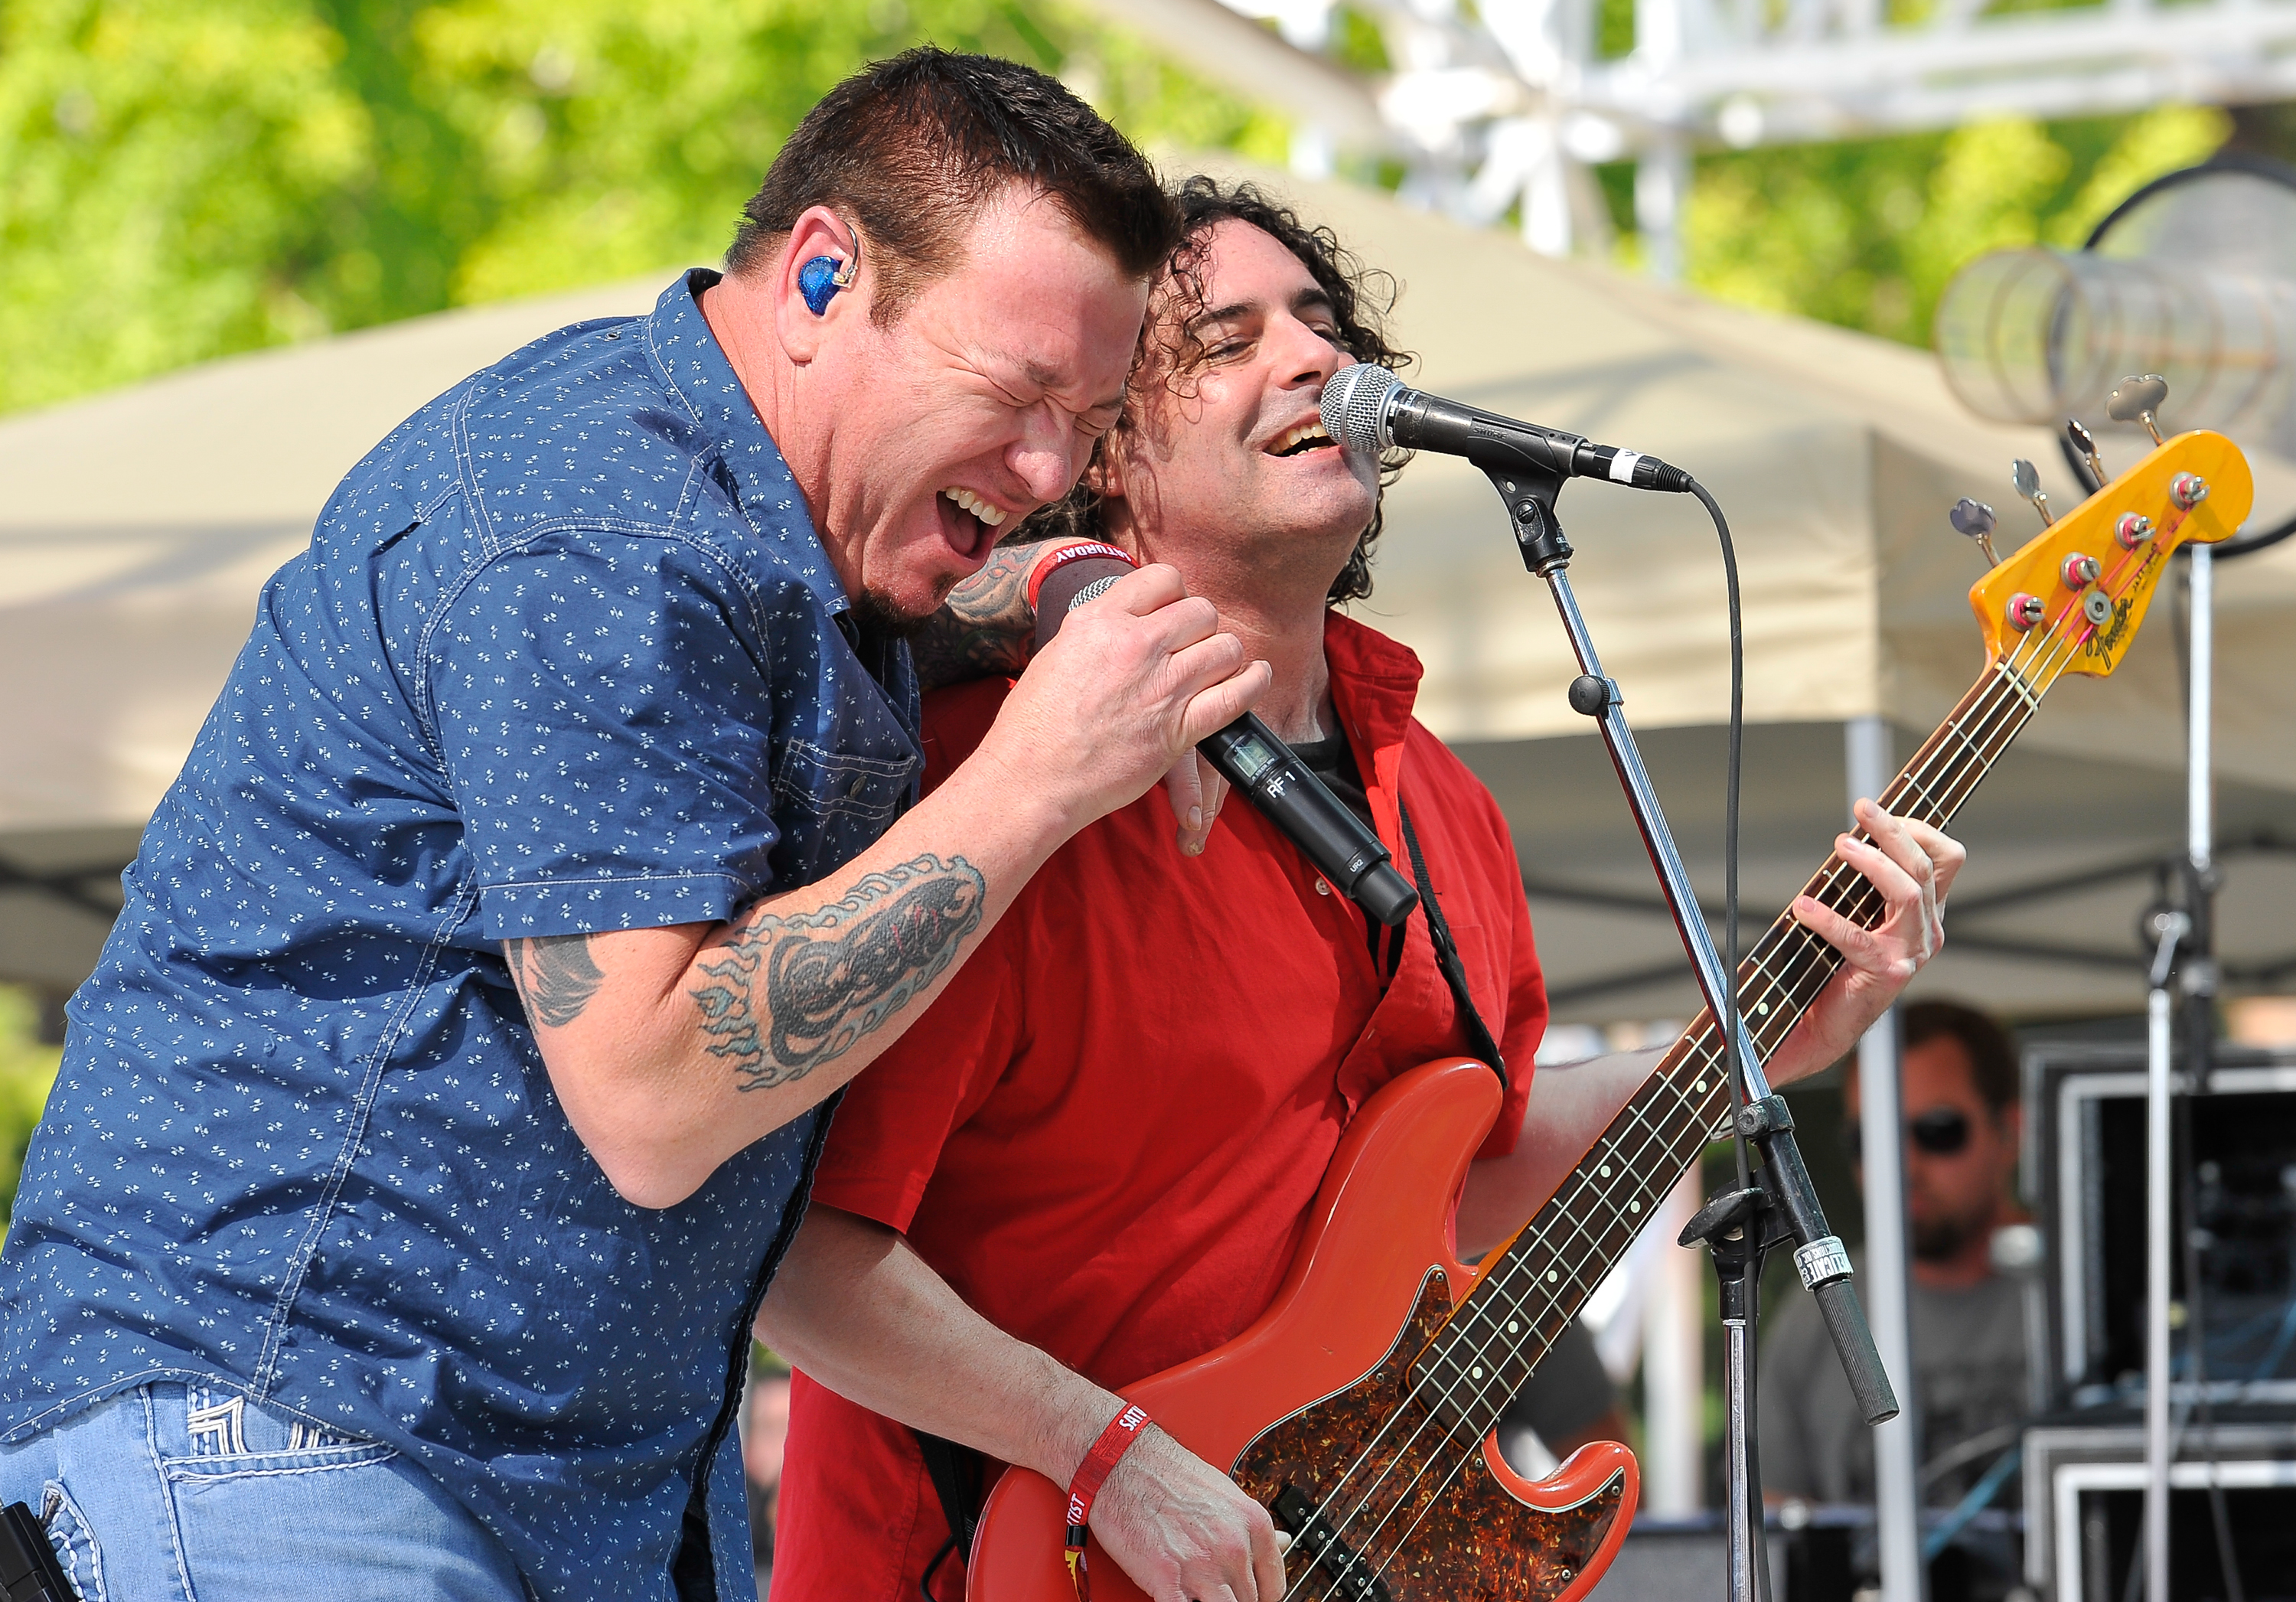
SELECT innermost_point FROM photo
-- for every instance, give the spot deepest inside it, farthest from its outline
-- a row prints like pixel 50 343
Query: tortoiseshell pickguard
pixel 1430 1535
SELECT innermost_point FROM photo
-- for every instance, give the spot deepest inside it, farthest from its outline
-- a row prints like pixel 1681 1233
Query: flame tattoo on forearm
pixel 788 994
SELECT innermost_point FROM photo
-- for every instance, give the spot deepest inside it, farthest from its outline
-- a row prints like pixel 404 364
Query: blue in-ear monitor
pixel 819 279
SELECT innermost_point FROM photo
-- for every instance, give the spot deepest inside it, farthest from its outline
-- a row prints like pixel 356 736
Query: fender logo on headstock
pixel 2106 646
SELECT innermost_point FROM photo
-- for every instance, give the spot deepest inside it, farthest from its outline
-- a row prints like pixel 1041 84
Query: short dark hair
pixel 1992 1054
pixel 1361 298
pixel 907 151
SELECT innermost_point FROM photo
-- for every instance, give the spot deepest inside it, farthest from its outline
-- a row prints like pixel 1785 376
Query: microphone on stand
pixel 1367 408
pixel 1247 754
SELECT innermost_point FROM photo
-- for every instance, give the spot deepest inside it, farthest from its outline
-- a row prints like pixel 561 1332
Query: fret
pixel 1894 797
pixel 1969 748
pixel 2009 677
pixel 1996 740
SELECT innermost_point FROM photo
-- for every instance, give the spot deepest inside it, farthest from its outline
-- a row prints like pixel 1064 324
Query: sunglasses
pixel 1941 1131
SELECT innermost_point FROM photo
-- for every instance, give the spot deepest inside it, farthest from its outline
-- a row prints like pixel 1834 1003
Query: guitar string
pixel 1655 1132
pixel 2002 732
pixel 1519 1279
pixel 1984 762
pixel 1997 687
pixel 1475 1309
pixel 1707 1050
pixel 1659 1118
pixel 1563 1299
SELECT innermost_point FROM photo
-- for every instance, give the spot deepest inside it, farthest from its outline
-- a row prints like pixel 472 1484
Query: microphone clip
pixel 1529 494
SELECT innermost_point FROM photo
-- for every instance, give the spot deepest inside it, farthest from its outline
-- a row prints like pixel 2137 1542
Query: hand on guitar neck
pixel 1909 863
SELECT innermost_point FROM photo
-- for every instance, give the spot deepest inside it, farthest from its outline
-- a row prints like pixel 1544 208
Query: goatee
pixel 1941 1239
pixel 879 616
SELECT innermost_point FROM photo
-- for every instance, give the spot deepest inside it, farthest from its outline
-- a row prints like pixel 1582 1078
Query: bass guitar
pixel 1358 1409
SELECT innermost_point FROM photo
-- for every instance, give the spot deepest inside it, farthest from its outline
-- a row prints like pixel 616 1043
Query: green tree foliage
pixel 1867 234
pixel 180 180
pixel 160 163
pixel 27 1070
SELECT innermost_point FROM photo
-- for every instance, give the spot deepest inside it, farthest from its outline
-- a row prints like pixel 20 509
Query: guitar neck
pixel 1540 1279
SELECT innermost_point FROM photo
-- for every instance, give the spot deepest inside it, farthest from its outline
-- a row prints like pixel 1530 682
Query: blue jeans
pixel 193 1493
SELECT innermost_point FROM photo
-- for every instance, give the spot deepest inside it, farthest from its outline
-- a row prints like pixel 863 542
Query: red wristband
pixel 1114 1441
pixel 1076 552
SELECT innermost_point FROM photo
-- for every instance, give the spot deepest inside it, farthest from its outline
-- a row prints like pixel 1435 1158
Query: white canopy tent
pixel 139 526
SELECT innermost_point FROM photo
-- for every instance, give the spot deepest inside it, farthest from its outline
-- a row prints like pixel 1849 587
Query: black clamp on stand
pixel 1741 1224
pixel 1739 1227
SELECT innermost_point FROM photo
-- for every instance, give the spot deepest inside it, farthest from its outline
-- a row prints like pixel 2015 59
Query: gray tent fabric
pixel 139 526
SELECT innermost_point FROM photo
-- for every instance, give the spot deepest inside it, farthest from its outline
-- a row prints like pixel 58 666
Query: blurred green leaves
pixel 1867 234
pixel 159 164
pixel 27 1070
pixel 181 180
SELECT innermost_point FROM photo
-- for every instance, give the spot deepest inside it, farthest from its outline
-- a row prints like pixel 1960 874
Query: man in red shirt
pixel 1094 1159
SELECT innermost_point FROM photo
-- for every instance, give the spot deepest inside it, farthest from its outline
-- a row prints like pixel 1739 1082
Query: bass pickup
pixel 1312 1534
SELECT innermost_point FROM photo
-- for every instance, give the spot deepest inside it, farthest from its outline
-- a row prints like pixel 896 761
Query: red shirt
pixel 1107 1133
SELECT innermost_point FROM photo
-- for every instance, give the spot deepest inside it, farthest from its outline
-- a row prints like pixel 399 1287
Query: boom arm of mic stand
pixel 1820 1258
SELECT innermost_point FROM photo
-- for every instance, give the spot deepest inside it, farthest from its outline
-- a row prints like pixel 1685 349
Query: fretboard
pixel 1541 1279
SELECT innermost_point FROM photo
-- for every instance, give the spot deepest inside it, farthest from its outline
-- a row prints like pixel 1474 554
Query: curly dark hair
pixel 1361 298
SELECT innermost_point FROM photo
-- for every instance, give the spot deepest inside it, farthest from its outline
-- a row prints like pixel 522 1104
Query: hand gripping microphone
pixel 1249 756
pixel 1367 408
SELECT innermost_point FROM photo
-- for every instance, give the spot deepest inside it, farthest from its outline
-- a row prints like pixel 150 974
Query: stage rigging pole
pixel 1889 1293
pixel 2196 976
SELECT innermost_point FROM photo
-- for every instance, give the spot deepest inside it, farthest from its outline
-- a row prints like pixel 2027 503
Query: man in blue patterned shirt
pixel 451 1082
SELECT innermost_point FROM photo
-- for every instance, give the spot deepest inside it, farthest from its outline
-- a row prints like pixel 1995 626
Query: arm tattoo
pixel 555 977
pixel 790 994
pixel 983 630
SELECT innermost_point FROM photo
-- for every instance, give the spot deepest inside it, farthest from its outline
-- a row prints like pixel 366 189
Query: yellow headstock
pixel 2043 607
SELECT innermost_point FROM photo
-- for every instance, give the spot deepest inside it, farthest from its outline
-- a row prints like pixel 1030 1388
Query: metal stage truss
pixel 1507 102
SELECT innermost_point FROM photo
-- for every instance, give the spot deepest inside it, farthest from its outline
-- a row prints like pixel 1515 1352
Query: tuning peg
pixel 1975 519
pixel 2027 480
pixel 2084 443
pixel 2138 400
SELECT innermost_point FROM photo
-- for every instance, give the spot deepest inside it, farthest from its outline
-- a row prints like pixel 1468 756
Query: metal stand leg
pixel 1896 1444
pixel 2157 1213
pixel 1739 1227
pixel 2194 971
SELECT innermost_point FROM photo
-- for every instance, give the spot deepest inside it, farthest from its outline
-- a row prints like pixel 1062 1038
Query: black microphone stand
pixel 1741 1224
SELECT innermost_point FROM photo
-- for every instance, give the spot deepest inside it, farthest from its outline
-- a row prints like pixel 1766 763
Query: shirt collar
pixel 1374 686
pixel 695 368
pixel 1374 679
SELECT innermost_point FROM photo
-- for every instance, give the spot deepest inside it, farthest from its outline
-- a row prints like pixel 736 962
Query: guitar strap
pixel 1479 1044
pixel 956 1470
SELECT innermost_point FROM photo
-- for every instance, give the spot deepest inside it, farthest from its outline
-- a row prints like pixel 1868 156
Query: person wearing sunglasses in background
pixel 1962 1121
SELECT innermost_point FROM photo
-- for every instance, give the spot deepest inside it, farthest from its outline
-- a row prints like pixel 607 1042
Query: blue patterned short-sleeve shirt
pixel 565 656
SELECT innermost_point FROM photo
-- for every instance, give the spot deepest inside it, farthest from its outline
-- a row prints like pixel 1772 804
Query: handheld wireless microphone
pixel 1249 756
pixel 1367 408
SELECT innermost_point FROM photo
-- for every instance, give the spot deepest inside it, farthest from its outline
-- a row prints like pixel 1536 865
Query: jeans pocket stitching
pixel 74 1541
pixel 325 1459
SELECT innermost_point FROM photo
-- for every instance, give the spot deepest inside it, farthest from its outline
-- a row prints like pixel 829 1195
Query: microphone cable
pixel 1733 1024
pixel 1733 1043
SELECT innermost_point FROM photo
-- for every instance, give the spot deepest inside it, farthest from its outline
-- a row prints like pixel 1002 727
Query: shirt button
pixel 1322 889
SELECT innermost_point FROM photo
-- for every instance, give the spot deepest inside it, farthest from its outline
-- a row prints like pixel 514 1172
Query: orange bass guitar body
pixel 1314 1397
